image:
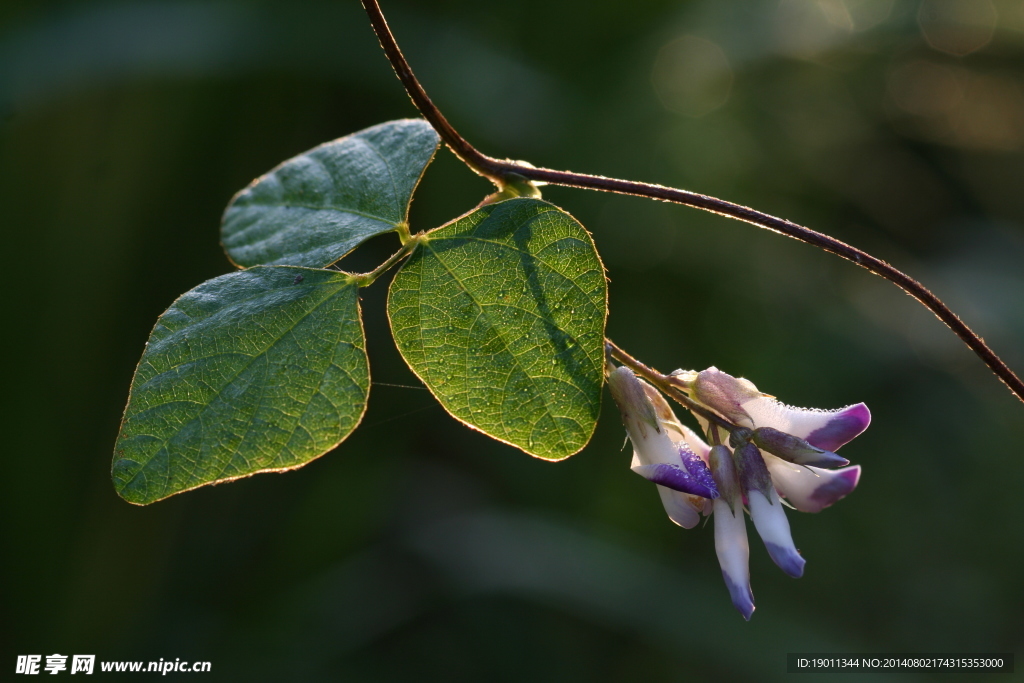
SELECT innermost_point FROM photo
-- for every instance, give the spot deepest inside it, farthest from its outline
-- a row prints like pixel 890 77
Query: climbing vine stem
pixel 498 170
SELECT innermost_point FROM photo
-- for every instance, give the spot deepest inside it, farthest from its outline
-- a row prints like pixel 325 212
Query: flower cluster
pixel 768 450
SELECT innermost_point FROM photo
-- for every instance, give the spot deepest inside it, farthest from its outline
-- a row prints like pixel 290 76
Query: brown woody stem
pixel 498 169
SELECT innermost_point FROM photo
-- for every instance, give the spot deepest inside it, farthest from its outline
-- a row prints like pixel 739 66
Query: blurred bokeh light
pixel 691 76
pixel 957 27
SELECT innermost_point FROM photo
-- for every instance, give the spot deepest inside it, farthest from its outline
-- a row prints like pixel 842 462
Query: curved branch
pixel 462 149
pixel 497 170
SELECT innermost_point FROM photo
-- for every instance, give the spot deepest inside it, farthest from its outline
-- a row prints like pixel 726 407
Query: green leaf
pixel 260 370
pixel 501 313
pixel 316 207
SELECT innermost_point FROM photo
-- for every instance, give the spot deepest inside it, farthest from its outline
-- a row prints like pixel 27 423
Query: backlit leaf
pixel 501 313
pixel 314 208
pixel 259 370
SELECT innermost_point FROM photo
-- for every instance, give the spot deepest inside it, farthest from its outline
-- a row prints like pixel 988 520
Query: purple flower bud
pixel 738 437
pixel 725 394
pixel 733 552
pixel 731 531
pixel 724 472
pixel 753 473
pixel 794 449
pixel 766 510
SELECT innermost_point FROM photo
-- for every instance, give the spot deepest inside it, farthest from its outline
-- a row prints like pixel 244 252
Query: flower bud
pixel 772 526
pixel 683 379
pixel 731 531
pixel 753 473
pixel 725 394
pixel 658 458
pixel 637 411
pixel 738 437
pixel 794 449
pixel 766 510
pixel 724 472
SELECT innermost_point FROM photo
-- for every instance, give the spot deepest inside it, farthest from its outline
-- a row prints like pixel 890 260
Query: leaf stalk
pixel 409 245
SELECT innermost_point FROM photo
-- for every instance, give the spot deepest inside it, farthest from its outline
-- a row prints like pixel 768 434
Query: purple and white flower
pixel 662 450
pixel 771 452
pixel 731 532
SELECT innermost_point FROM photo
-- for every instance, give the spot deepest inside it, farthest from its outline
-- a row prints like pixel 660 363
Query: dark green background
pixel 422 551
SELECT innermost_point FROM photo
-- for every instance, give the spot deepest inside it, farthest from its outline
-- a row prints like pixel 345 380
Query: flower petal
pixel 677 478
pixel 681 432
pixel 845 424
pixel 734 555
pixel 770 521
pixel 811 489
pixel 825 429
pixel 680 507
pixel 667 419
pixel 698 469
pixel 652 444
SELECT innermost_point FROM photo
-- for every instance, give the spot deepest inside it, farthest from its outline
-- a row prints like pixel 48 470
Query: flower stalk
pixel 667 384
